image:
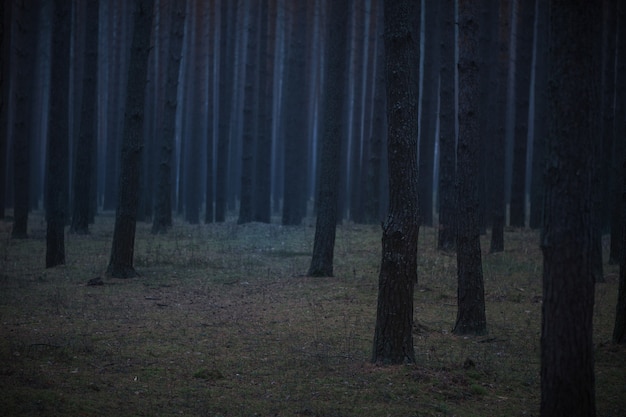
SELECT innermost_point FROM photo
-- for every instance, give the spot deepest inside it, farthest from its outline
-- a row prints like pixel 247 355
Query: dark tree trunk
pixel 121 262
pixel 295 121
pixel 428 123
pixel 84 169
pixel 333 135
pixel 163 208
pixel 498 139
pixel 619 331
pixel 57 169
pixel 446 239
pixel 26 25
pixel 226 73
pixel 5 86
pixel 525 11
pixel 393 336
pixel 619 143
pixel 567 364
pixel 250 116
pixel 263 171
pixel 471 295
pixel 540 115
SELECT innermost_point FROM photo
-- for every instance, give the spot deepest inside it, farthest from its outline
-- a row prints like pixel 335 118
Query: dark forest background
pixel 232 118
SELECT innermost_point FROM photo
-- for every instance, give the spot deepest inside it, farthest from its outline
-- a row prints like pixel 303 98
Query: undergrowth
pixel 223 322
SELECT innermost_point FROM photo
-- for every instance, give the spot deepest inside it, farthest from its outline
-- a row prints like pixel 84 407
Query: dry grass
pixel 222 323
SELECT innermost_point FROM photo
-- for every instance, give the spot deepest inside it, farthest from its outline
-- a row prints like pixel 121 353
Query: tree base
pixel 122 272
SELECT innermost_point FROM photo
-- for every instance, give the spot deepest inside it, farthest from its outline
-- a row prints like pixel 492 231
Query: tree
pixel 57 170
pixel 393 335
pixel 86 144
pixel 446 238
pixel 567 375
pixel 121 262
pixel 328 187
pixel 163 207
pixel 25 16
pixel 471 297
pixel 619 331
pixel 5 67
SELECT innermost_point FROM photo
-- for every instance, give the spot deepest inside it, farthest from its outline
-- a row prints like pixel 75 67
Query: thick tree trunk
pixel 333 135
pixel 84 170
pixel 567 364
pixel 393 336
pixel 619 331
pixel 122 251
pixel 471 297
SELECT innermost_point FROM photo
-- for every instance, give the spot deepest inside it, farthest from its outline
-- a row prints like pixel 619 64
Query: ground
pixel 222 322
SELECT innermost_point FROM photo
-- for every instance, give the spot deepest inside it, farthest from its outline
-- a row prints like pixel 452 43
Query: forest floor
pixel 223 322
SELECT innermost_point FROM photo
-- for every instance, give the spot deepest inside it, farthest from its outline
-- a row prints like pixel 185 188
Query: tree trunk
pixel 498 139
pixel 446 238
pixel 567 375
pixel 619 331
pixel 121 262
pixel 333 135
pixel 471 297
pixel 58 136
pixel 5 86
pixel 163 208
pixel 393 336
pixel 84 170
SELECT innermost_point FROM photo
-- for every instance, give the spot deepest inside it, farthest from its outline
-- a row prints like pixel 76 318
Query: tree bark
pixel 567 364
pixel 393 336
pixel 122 251
pixel 333 135
pixel 84 170
pixel 471 297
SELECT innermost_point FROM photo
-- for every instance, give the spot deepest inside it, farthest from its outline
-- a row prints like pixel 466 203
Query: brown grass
pixel 222 323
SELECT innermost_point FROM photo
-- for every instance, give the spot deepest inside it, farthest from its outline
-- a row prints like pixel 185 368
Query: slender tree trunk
pixel 567 364
pixel 619 331
pixel 84 170
pixel 122 251
pixel 393 335
pixel 26 25
pixel 5 87
pixel 333 135
pixel 471 295
pixel 498 139
pixel 446 239
pixel 163 208
pixel 58 136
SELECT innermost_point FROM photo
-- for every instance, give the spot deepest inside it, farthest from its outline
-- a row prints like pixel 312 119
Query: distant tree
pixel 57 168
pixel 428 121
pixel 525 11
pixel 446 239
pixel 540 117
pixel 163 207
pixel 250 116
pixel 121 262
pixel 471 295
pixel 84 169
pixel 393 336
pixel 295 118
pixel 25 22
pixel 5 51
pixel 496 148
pixel 619 331
pixel 330 145
pixel 567 351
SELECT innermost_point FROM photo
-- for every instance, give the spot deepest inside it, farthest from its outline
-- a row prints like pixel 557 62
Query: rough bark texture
pixel 84 169
pixel 58 131
pixel 393 338
pixel 471 298
pixel 163 207
pixel 446 239
pixel 328 188
pixel 567 375
pixel 121 262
